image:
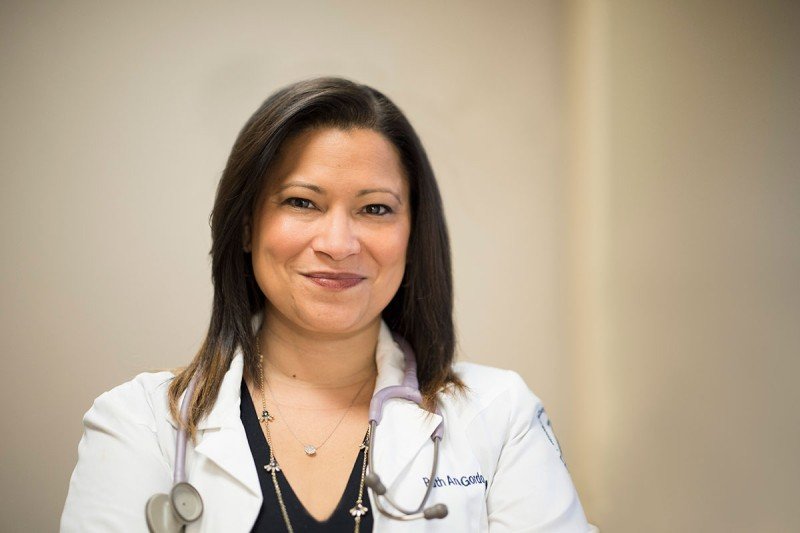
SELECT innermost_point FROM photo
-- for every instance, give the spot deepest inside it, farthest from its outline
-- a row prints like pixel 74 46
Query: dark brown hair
pixel 421 310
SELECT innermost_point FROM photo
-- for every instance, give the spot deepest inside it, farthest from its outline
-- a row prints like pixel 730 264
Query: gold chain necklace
pixel 309 449
pixel 357 511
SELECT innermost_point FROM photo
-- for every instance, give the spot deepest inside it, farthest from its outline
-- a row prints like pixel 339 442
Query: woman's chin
pixel 333 322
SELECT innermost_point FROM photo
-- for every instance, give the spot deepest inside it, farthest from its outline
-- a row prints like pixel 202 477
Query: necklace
pixel 309 449
pixel 357 511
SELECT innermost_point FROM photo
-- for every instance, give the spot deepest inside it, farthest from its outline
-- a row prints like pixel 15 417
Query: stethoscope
pixel 170 513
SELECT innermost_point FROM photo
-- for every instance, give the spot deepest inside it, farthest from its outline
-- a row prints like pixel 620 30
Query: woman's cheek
pixel 287 236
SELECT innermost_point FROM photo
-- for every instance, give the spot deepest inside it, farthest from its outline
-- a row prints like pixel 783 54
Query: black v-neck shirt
pixel 269 518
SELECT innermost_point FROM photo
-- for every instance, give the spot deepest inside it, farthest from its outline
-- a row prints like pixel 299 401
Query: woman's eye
pixel 300 203
pixel 378 209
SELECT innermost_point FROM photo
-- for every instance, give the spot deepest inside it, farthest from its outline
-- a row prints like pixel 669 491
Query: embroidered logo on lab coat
pixel 544 422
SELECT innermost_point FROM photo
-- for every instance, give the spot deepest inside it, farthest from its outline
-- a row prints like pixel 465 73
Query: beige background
pixel 621 183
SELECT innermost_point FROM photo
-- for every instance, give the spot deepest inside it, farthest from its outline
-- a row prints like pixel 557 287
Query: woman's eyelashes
pixel 298 203
pixel 378 210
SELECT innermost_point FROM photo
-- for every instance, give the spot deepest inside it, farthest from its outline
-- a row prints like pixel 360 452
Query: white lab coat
pixel 500 468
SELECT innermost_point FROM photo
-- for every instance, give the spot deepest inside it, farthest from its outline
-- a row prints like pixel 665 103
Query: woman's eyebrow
pixel 314 188
pixel 362 192
pixel 320 190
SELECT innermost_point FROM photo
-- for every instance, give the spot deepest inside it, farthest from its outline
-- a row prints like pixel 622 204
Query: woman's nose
pixel 336 236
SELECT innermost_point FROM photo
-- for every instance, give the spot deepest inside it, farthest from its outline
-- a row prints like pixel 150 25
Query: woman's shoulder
pixel 495 410
pixel 124 455
pixel 141 400
pixel 494 401
pixel 485 385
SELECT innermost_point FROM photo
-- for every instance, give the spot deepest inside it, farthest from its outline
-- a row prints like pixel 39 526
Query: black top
pixel 269 518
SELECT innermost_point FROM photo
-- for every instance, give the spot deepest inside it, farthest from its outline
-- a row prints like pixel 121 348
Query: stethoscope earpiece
pixel 438 510
pixel 372 481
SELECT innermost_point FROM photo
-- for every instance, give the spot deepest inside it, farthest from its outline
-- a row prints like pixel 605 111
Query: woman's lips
pixel 335 281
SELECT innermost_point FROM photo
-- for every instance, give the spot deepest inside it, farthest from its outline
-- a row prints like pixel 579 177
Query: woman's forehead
pixel 335 158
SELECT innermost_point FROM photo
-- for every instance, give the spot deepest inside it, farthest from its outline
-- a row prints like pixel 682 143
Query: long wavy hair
pixel 421 310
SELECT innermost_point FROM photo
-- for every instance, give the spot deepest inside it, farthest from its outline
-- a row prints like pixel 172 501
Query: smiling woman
pixel 325 396
pixel 330 237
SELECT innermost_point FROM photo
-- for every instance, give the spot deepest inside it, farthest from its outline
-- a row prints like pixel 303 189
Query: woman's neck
pixel 311 360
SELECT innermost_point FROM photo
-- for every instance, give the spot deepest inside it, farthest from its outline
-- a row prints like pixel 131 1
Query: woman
pixel 328 238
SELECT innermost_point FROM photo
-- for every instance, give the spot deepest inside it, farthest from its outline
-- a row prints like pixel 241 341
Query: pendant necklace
pixel 359 509
pixel 309 449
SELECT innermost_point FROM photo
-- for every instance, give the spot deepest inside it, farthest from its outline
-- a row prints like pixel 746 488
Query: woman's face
pixel 329 238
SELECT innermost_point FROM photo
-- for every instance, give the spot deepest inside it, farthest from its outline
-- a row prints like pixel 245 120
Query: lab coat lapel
pixel 405 427
pixel 403 433
pixel 223 440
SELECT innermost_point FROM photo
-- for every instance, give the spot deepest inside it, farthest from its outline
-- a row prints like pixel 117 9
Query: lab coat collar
pixel 404 429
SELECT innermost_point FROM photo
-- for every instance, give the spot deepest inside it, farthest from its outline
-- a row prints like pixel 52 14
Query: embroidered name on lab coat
pixel 457 481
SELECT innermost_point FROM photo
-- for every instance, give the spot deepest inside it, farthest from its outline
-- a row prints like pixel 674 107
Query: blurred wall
pixel 684 251
pixel 117 121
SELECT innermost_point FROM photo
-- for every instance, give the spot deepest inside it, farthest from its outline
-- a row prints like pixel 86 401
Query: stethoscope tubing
pixel 179 476
pixel 380 490
pixel 409 390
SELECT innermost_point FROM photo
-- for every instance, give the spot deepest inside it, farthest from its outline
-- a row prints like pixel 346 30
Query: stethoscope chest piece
pixel 186 502
pixel 169 513
pixel 160 516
